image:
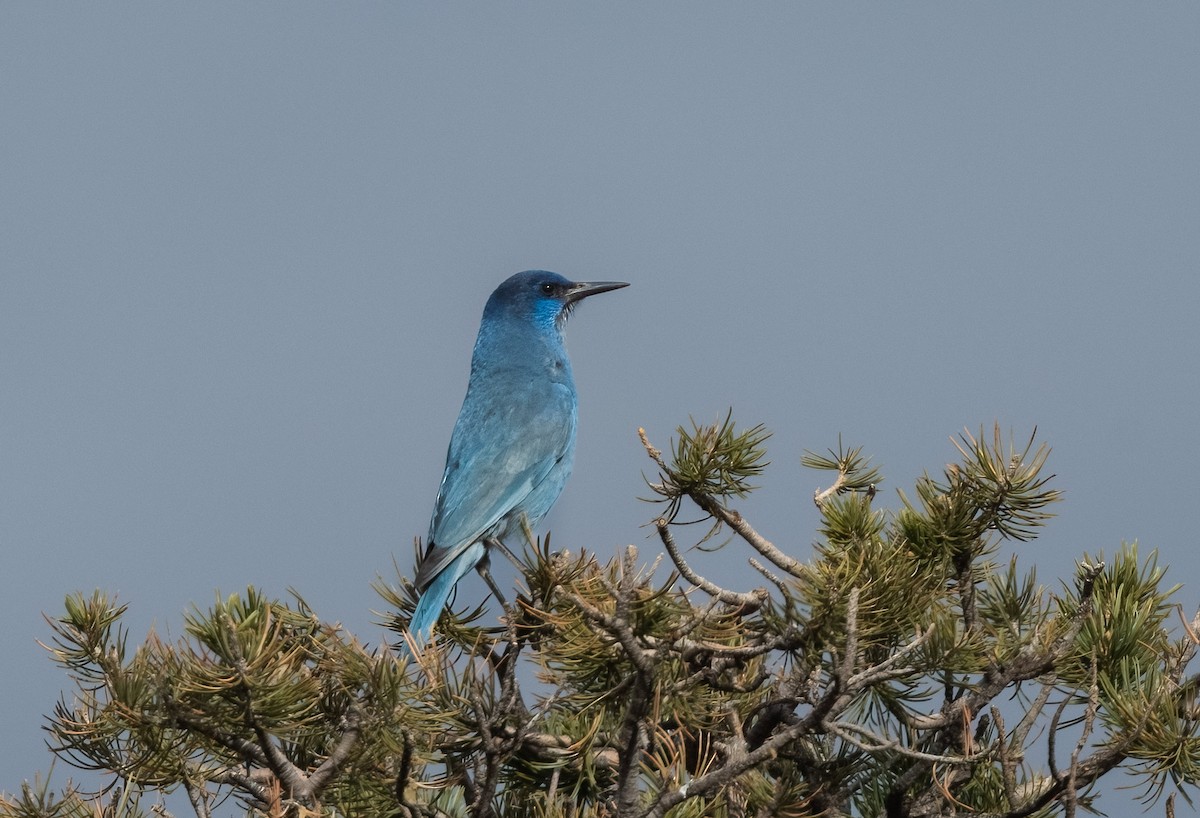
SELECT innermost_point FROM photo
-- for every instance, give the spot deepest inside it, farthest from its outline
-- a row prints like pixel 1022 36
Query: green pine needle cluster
pixel 717 461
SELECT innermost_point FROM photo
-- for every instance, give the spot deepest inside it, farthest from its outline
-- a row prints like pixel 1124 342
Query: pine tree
pixel 897 671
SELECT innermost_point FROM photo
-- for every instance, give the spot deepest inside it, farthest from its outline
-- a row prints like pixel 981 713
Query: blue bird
pixel 514 442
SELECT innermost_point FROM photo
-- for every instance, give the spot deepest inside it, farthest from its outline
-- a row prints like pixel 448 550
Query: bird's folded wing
pixel 498 456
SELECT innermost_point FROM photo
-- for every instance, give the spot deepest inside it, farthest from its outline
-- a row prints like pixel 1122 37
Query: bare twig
pixel 1008 763
pixel 890 668
pixel 1030 718
pixel 246 782
pixel 321 777
pixel 862 738
pixel 766 572
pixel 749 602
pixel 851 658
pixel 198 797
pixel 1071 792
pixel 743 529
pixel 820 496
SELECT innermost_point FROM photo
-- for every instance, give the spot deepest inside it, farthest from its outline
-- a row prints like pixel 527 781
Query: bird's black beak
pixel 582 289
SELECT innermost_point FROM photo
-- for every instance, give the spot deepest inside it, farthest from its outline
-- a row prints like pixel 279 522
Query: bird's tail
pixel 434 598
pixel 429 607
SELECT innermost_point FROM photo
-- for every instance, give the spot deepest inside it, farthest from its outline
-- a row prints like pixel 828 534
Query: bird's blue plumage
pixel 514 442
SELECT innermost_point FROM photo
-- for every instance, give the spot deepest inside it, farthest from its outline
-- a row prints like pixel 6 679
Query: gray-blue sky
pixel 245 248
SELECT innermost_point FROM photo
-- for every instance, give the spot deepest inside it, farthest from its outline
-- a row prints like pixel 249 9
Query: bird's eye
pixel 548 288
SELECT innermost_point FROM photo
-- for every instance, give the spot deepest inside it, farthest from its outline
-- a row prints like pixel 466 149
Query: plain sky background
pixel 244 249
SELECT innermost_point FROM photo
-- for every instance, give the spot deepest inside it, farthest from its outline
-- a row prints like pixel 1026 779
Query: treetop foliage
pixel 894 669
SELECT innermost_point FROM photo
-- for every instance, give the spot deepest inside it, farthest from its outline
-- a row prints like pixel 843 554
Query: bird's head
pixel 542 298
